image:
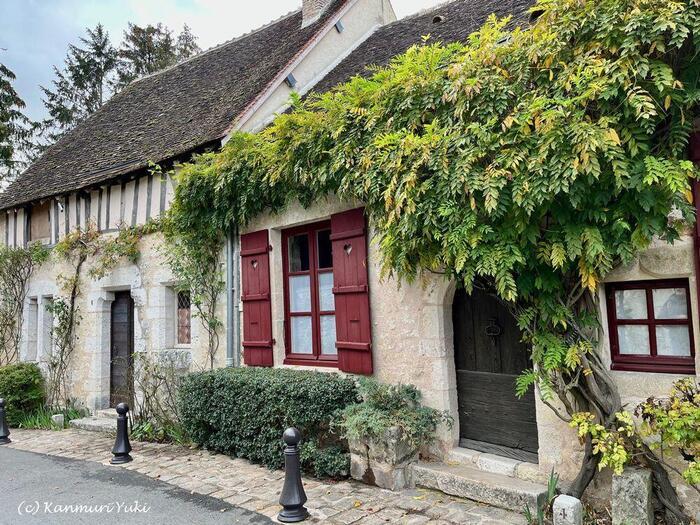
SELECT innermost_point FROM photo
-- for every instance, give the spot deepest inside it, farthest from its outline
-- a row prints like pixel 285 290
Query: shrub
pixel 22 387
pixel 244 411
pixel 385 406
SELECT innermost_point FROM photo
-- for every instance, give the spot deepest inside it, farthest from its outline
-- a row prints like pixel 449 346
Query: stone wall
pixel 152 288
pixel 412 338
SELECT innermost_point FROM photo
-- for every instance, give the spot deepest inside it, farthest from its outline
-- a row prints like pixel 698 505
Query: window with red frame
pixel 650 326
pixel 308 295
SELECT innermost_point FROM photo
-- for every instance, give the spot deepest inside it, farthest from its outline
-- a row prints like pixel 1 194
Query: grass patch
pixel 41 418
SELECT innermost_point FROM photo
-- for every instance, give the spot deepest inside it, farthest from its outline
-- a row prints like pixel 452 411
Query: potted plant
pixel 386 431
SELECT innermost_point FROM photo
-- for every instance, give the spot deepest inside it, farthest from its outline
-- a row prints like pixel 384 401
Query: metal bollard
pixel 4 429
pixel 122 447
pixel 293 496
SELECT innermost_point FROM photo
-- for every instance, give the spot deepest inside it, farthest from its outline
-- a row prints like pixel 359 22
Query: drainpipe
pixel 232 305
pixel 694 155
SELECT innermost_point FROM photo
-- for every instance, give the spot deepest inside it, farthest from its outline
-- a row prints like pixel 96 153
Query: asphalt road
pixel 47 490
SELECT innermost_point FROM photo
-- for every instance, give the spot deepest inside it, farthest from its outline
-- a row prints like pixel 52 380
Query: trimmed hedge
pixel 22 387
pixel 244 411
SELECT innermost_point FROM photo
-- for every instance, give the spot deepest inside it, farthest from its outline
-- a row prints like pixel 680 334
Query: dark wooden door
pixel 122 346
pixel 489 356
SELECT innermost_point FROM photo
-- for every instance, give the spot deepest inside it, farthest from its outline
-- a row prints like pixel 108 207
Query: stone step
pixel 106 413
pixel 95 424
pixel 486 462
pixel 486 487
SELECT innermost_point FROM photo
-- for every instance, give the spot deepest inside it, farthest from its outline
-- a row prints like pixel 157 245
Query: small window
pixel 650 326
pixel 309 300
pixel 184 318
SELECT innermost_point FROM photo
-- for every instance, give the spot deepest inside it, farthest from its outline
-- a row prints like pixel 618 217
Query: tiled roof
pixel 167 114
pixel 448 22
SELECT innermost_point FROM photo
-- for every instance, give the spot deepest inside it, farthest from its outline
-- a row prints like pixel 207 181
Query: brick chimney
pixel 311 10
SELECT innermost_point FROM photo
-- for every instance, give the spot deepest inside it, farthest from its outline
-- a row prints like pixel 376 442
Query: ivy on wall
pixel 102 253
pixel 528 161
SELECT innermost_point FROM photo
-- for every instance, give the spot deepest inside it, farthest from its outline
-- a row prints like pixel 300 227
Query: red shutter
pixel 350 287
pixel 257 313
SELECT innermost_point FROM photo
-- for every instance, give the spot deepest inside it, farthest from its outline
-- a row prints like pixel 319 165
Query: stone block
pixel 58 420
pixel 567 510
pixel 631 498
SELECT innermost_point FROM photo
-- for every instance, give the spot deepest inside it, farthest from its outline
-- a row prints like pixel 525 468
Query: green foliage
pixel 159 433
pixel 22 387
pixel 530 161
pixel 675 423
pixel 15 127
pixel 385 406
pixel 81 86
pixel 41 418
pixel 244 411
pixel 329 462
pixel 544 509
pixel 610 443
pixel 534 159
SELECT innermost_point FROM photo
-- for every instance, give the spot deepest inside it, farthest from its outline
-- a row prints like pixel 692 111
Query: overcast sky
pixel 34 34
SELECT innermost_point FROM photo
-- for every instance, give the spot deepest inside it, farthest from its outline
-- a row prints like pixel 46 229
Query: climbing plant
pixel 529 161
pixel 16 267
pixel 194 256
pixel 102 253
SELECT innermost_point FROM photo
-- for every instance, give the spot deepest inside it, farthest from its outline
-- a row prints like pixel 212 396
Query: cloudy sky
pixel 34 34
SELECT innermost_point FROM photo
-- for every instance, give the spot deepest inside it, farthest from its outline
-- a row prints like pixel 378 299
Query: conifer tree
pixel 149 49
pixel 15 128
pixel 81 87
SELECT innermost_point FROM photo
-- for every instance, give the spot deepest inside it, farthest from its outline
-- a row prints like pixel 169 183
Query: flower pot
pixel 383 461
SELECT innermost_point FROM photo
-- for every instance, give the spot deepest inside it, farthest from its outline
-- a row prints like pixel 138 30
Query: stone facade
pixel 412 340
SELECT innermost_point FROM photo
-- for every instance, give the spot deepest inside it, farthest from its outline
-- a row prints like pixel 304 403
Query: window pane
pixel 325 257
pixel 672 340
pixel 184 318
pixel 326 298
pixel 631 304
pixel 299 253
pixel 633 339
pixel 300 293
pixel 301 335
pixel 328 335
pixel 670 303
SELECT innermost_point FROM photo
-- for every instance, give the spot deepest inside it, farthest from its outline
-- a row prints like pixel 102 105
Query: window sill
pixel 309 361
pixel 655 368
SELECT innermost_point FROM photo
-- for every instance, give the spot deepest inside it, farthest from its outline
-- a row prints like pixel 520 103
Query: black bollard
pixel 293 496
pixel 4 429
pixel 122 447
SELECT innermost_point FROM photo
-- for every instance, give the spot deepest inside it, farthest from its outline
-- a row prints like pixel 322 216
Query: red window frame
pixel 649 363
pixel 316 358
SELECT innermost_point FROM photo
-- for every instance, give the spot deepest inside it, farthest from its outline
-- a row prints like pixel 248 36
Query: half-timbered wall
pixel 107 208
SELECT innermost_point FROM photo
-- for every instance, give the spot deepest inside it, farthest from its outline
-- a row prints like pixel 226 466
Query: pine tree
pixel 146 50
pixel 82 86
pixel 186 44
pixel 15 128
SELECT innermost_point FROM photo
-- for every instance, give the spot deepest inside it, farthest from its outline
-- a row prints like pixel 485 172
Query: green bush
pixel 22 387
pixel 244 411
pixel 385 406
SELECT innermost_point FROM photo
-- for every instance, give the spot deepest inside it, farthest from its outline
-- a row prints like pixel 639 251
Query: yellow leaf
pixel 688 196
pixel 667 102
pixel 614 136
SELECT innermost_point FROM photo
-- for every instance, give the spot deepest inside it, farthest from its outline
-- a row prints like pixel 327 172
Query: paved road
pixel 39 489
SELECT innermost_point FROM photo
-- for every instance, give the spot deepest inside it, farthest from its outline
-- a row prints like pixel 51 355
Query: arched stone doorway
pixel 488 358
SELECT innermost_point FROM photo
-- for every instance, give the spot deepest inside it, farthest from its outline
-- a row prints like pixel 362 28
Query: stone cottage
pixel 303 286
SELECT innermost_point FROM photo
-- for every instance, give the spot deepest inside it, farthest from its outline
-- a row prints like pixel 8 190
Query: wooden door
pixel 489 356
pixel 122 346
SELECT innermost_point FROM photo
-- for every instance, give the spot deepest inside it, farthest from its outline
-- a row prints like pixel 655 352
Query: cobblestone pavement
pixel 256 488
